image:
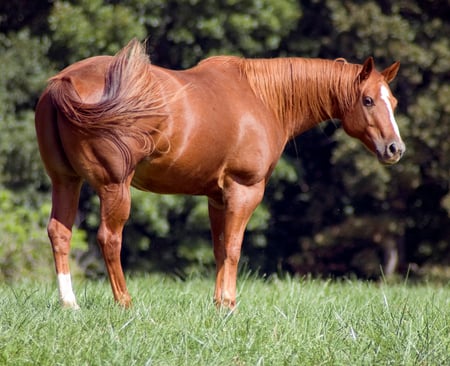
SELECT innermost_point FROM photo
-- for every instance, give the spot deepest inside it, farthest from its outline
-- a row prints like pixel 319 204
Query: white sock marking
pixel 66 294
pixel 384 92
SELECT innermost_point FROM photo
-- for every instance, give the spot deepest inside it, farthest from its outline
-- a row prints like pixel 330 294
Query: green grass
pixel 278 322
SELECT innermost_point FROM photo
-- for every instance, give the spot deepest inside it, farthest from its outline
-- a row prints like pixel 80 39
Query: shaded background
pixel 330 208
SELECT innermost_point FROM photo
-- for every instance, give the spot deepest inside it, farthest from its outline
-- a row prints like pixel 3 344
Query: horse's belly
pixel 172 179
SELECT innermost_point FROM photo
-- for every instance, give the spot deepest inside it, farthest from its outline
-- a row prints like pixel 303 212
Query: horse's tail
pixel 130 93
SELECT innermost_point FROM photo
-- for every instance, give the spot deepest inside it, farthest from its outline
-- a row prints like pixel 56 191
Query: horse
pixel 217 130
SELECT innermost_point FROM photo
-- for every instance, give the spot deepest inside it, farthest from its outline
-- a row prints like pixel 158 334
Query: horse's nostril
pixel 393 148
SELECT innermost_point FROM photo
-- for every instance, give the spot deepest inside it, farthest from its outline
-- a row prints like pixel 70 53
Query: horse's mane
pixel 296 88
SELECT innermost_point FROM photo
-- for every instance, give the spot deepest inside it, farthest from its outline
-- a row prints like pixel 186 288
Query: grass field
pixel 279 322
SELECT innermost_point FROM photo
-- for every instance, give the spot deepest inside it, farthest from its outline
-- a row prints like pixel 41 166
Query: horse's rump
pixel 130 93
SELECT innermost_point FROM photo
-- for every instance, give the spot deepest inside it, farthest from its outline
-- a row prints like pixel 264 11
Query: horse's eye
pixel 368 102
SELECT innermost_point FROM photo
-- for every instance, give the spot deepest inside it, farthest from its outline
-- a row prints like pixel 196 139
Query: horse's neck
pixel 303 92
pixel 313 95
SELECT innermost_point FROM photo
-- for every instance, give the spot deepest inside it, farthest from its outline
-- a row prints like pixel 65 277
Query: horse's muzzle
pixel 391 153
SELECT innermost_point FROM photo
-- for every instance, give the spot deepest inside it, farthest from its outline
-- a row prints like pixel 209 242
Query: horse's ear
pixel 391 72
pixel 367 68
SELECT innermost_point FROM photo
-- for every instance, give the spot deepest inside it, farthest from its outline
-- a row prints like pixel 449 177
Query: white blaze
pixel 66 294
pixel 384 92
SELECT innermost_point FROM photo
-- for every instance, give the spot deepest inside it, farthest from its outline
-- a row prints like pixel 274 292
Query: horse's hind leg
pixel 115 203
pixel 65 195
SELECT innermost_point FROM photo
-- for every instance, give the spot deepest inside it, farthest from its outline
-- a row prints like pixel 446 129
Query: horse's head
pixel 371 119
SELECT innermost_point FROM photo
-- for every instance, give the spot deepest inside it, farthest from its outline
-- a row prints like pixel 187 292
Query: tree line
pixel 330 207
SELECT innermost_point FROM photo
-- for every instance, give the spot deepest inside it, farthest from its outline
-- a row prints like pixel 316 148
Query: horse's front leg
pixel 228 223
pixel 115 203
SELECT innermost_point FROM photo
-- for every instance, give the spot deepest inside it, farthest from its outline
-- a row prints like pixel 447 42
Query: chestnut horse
pixel 217 130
